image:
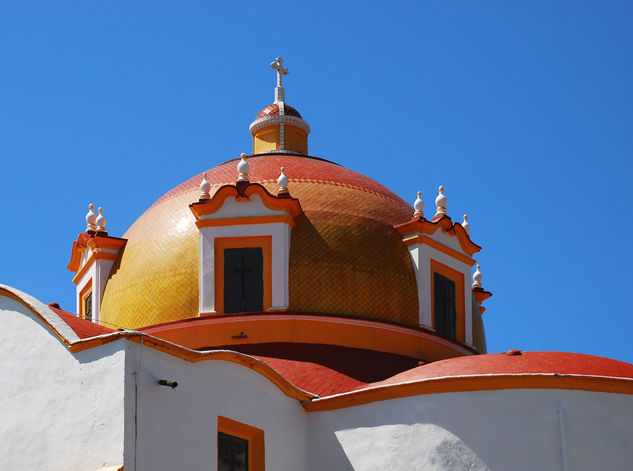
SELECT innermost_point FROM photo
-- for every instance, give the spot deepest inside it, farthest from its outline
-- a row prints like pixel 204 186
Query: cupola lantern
pixel 278 127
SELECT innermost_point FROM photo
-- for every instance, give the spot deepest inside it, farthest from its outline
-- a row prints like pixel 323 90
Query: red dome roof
pixel 273 109
pixel 525 363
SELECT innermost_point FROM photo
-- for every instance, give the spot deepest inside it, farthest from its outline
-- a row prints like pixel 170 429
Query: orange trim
pixel 458 279
pixel 289 205
pixel 95 242
pixel 255 437
pixel 481 295
pixel 222 243
pixel 106 255
pixel 472 383
pixel 83 294
pixel 187 354
pixel 106 242
pixel 208 331
pixel 84 268
pixel 422 239
pixel 423 226
pixel 75 258
pixel 285 218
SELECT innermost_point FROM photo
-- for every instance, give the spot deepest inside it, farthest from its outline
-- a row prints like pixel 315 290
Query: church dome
pixel 346 258
pixel 274 109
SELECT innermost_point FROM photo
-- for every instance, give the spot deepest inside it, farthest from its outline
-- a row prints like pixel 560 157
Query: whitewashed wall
pixel 484 430
pixel 177 428
pixel 58 411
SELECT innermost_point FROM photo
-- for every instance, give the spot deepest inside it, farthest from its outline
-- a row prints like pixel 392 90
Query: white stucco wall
pixel 483 430
pixel 58 410
pixel 177 428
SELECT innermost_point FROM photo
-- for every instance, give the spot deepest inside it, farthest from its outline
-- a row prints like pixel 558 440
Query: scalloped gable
pixel 221 204
pixel 420 225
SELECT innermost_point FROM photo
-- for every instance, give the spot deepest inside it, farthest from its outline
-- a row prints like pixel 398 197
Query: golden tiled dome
pixel 345 256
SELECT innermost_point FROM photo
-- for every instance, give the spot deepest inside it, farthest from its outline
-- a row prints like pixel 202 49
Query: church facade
pixel 281 312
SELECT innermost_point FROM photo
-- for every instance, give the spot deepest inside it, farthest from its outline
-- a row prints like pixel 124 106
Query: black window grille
pixel 445 315
pixel 243 280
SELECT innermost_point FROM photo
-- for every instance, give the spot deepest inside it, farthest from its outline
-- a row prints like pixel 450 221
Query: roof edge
pixel 488 382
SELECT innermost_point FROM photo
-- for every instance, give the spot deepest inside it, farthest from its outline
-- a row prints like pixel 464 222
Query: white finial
pixel 477 278
pixel 91 218
pixel 101 221
pixel 281 70
pixel 282 181
pixel 465 224
pixel 205 187
pixel 418 205
pixel 243 168
pixel 440 202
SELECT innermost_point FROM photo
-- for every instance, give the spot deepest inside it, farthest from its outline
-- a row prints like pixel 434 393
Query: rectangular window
pixel 243 279
pixel 88 306
pixel 232 453
pixel 445 314
pixel 240 446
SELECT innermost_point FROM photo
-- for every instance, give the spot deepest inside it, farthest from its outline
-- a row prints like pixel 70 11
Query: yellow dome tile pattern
pixel 345 257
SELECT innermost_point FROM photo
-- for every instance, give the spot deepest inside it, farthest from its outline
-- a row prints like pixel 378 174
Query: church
pixel 282 312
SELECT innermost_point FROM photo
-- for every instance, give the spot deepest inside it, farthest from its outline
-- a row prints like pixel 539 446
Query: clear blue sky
pixel 522 110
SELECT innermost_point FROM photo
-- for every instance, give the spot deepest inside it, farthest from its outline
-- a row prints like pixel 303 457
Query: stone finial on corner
pixel 418 205
pixel 205 187
pixel 100 221
pixel 282 181
pixel 465 224
pixel 440 202
pixel 243 168
pixel 477 278
pixel 91 218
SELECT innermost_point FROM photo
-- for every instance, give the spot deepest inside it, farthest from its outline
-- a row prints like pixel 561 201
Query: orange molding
pixel 481 296
pixel 285 218
pixel 222 243
pixel 187 354
pixel 210 206
pixel 458 279
pixel 472 383
pixel 96 243
pixel 207 331
pixel 422 239
pixel 255 437
pixel 423 226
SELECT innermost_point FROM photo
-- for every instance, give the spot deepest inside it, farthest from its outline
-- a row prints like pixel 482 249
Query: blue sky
pixel 522 110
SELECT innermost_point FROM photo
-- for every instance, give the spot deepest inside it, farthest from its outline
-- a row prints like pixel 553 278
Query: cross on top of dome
pixel 281 70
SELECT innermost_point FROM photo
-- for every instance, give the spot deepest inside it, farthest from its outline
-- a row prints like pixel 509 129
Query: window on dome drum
pixel 243 279
pixel 445 313
pixel 88 307
pixel 232 453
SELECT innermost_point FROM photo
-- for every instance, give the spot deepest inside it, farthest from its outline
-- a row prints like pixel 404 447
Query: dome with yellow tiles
pixel 346 258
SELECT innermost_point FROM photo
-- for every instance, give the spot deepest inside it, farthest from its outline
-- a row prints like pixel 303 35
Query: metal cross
pixel 281 70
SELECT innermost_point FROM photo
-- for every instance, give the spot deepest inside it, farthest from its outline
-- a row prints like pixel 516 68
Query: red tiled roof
pixel 561 363
pixel 83 328
pixel 273 109
pixel 327 369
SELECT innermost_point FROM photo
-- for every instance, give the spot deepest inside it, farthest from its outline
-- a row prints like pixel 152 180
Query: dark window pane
pixel 88 306
pixel 243 280
pixel 445 315
pixel 232 453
